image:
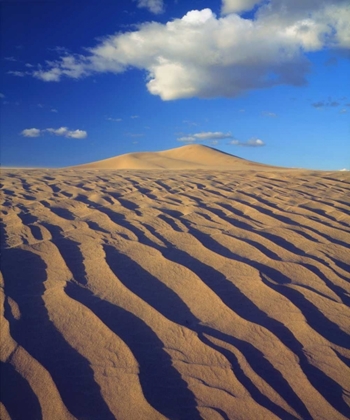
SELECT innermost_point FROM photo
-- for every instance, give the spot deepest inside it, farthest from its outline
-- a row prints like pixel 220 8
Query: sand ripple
pixel 167 294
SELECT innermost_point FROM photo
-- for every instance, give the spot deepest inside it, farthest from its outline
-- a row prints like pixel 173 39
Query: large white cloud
pixel 201 55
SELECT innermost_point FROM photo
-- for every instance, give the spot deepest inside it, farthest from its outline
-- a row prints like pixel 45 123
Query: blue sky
pixel 264 80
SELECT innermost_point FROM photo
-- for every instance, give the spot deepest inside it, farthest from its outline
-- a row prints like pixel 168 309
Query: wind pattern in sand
pixel 175 295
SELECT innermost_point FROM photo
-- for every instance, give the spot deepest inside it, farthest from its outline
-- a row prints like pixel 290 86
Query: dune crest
pixel 192 156
pixel 180 294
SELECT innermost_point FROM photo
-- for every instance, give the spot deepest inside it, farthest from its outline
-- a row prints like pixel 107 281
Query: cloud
pixel 154 6
pixel 31 132
pixel 62 131
pixel 205 136
pixel 114 119
pixel 54 110
pixel 253 142
pixel 2 96
pixel 269 114
pixel 343 111
pixel 134 117
pixel 10 59
pixel 238 6
pixel 18 73
pixel 202 55
pixel 325 104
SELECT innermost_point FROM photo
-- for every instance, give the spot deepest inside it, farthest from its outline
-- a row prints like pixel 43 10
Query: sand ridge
pixel 175 294
pixel 192 157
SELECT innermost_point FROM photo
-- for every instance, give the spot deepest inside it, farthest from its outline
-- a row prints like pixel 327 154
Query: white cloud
pixel 269 114
pixel 201 55
pixel 17 73
pixel 62 131
pixel 114 119
pixel 154 6
pixel 10 59
pixel 53 110
pixel 205 136
pixel 343 170
pixel 77 134
pixel 253 142
pixel 2 96
pixel 31 132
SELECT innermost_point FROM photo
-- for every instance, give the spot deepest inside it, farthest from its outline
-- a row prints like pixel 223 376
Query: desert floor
pixel 175 294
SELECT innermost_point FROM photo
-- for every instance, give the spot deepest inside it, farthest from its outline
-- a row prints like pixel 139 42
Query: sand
pixel 205 287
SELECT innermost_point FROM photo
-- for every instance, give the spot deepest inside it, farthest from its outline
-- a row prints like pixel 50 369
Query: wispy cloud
pixel 154 6
pixel 134 117
pixel 205 136
pixel 269 114
pixel 134 135
pixel 329 103
pixel 114 119
pixel 253 142
pixel 10 59
pixel 62 131
pixel 2 96
pixel 222 56
pixel 18 73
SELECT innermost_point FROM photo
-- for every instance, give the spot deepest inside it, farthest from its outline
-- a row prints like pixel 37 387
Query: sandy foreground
pixel 177 292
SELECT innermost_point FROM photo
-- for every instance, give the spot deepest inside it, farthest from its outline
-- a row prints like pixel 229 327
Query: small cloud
pixel 10 59
pixel 343 170
pixel 318 105
pixel 62 131
pixel 114 119
pixel 343 111
pixel 154 6
pixel 2 96
pixel 191 123
pixel 40 106
pixel 134 135
pixel 28 65
pixel 205 136
pixel 77 134
pixel 325 104
pixel 54 110
pixel 17 73
pixel 134 117
pixel 253 142
pixel 269 114
pixel 31 132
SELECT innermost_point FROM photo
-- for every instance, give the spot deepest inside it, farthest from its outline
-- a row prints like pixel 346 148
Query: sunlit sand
pixel 183 284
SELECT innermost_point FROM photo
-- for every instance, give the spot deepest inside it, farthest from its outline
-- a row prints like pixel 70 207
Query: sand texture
pixel 175 294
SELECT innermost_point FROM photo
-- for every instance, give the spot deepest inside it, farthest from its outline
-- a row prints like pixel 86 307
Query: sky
pixel 265 80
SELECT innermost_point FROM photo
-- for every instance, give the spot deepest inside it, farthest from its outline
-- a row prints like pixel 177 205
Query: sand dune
pixel 193 156
pixel 167 294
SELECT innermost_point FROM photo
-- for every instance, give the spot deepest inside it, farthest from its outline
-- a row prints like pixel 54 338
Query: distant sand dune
pixel 175 294
pixel 193 156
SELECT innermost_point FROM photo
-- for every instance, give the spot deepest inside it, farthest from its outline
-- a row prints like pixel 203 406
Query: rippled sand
pixel 167 294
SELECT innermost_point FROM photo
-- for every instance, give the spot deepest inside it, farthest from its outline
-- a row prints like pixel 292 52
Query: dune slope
pixel 192 156
pixel 175 294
